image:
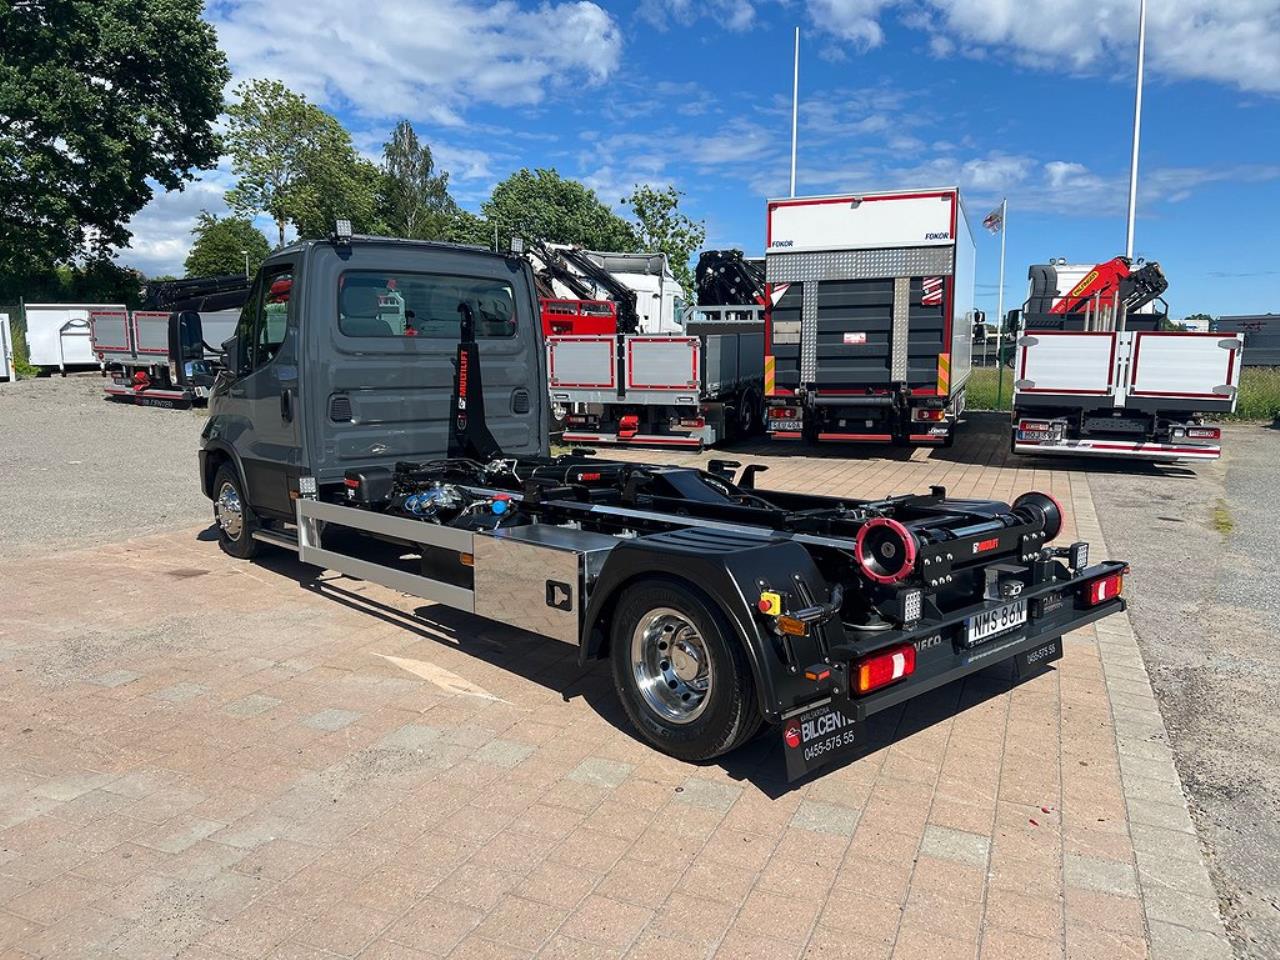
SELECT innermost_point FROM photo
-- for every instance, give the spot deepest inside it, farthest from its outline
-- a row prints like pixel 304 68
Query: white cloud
pixel 1236 43
pixel 736 15
pixel 162 229
pixel 427 59
pixel 857 21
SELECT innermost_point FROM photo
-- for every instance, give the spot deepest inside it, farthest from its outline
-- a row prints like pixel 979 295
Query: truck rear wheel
pixel 682 677
pixel 235 519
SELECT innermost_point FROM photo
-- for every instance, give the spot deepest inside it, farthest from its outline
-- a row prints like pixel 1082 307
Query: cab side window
pixel 274 316
pixel 263 319
pixel 246 329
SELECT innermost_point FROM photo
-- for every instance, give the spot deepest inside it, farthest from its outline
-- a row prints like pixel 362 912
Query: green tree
pixel 542 205
pixel 99 100
pixel 467 227
pixel 220 246
pixel 415 200
pixel 662 227
pixel 296 163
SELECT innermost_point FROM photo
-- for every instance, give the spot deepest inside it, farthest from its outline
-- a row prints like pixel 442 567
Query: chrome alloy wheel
pixel 228 511
pixel 672 665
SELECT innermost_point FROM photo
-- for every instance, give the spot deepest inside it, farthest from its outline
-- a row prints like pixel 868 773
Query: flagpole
pixel 1004 229
pixel 795 111
pixel 1137 128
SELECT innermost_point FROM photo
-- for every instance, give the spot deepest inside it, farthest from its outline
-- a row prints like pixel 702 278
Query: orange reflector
pixel 793 627
pixel 886 667
pixel 1105 588
pixel 466 559
pixel 817 675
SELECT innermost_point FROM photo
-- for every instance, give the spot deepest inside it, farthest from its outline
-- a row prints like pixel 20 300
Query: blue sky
pixel 1030 100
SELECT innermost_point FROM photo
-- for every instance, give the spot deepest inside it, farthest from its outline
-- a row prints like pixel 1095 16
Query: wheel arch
pixel 215 454
pixel 727 582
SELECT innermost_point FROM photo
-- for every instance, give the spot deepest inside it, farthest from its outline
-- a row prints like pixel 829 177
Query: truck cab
pixel 344 356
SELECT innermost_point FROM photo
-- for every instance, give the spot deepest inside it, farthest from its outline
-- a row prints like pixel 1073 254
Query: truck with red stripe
pixel 869 316
pixel 1098 372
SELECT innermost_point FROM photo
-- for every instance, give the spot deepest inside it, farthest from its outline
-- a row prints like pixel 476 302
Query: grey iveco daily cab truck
pixel 384 414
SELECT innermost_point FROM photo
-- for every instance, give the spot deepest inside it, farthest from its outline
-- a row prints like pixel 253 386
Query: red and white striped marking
pixel 932 295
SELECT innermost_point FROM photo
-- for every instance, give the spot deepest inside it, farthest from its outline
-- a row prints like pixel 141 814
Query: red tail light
pixel 1204 433
pixel 885 550
pixel 936 416
pixel 1104 588
pixel 885 668
pixel 784 413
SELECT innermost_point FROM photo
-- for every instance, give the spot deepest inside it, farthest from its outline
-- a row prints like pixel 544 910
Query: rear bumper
pixel 1143 450
pixel 1055 608
pixel 639 439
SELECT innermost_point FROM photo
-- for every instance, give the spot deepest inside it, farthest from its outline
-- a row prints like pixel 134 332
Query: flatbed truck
pixel 419 460
pixel 1097 374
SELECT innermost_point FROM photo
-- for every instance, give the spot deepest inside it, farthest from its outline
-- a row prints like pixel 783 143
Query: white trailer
pixel 58 335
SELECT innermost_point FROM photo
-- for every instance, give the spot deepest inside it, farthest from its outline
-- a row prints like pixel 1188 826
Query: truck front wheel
pixel 682 677
pixel 232 514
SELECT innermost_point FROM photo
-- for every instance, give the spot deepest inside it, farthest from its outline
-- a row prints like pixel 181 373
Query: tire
pixel 233 516
pixel 699 700
pixel 756 405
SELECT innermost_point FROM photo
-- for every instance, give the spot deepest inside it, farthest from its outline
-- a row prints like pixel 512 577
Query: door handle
pixel 286 405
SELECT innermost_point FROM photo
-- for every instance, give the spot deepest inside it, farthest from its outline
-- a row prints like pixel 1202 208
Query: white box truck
pixel 871 313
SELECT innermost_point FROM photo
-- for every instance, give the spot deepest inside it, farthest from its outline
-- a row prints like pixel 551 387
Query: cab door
pixel 262 402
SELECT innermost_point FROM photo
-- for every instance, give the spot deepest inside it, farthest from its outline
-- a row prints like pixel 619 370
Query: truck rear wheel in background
pixel 232 514
pixel 681 674
pixel 748 415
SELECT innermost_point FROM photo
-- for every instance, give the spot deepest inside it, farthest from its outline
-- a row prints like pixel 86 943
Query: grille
pixel 340 408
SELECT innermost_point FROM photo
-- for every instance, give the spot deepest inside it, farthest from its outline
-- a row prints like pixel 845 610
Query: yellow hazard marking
pixel 769 379
pixel 944 372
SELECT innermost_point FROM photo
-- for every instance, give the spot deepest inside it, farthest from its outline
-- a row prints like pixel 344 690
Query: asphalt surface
pixel 1205 604
pixel 77 469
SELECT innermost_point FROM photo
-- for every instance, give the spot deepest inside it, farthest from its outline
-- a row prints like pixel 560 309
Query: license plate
pixel 818 737
pixel 784 425
pixel 989 623
pixel 1033 434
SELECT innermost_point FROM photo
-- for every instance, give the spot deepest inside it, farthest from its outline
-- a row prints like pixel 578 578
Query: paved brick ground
pixel 214 760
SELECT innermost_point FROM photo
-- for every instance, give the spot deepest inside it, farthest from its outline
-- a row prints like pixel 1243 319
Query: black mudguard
pixel 730 569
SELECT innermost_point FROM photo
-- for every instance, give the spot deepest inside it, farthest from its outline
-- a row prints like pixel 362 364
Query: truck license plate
pixel 818 737
pixel 1033 434
pixel 982 626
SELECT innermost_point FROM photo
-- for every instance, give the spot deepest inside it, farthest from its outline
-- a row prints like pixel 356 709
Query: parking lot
pixel 210 759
